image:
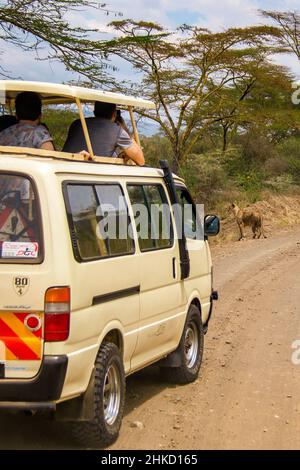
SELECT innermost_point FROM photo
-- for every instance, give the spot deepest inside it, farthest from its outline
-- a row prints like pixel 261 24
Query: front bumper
pixel 45 387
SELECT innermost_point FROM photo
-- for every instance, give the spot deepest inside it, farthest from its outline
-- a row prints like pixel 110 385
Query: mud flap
pixel 172 360
pixel 80 408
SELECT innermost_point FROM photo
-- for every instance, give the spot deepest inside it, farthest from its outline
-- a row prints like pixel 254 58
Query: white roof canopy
pixel 52 93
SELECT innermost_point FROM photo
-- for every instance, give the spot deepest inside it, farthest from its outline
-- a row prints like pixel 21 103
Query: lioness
pixel 248 217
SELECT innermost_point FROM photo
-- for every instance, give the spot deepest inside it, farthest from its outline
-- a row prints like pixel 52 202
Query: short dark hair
pixel 28 105
pixel 104 110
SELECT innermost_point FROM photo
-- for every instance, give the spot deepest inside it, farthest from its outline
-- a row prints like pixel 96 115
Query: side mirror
pixel 212 225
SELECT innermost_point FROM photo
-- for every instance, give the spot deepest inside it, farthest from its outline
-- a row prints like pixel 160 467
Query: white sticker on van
pixel 20 250
pixel 2 351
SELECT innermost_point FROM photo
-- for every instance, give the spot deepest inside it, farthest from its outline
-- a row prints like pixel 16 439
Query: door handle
pixel 174 267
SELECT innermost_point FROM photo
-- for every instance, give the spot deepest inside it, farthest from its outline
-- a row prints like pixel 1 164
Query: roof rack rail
pixel 74 157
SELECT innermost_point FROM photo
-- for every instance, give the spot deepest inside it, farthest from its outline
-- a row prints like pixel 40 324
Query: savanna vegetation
pixel 224 113
pixel 227 113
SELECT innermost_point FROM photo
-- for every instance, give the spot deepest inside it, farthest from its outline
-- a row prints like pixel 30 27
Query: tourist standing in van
pixel 6 121
pixel 28 132
pixel 107 137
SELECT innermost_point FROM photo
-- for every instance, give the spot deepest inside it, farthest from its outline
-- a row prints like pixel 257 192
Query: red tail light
pixel 57 314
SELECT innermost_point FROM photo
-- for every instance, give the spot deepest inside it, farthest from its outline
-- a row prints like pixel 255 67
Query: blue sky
pixel 212 14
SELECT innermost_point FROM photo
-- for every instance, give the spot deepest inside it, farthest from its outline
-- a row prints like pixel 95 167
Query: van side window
pixel 152 216
pixel 20 222
pixel 193 228
pixel 113 210
pixel 98 220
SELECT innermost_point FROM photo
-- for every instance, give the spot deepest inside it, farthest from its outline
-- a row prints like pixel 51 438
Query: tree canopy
pixel 43 26
pixel 287 30
pixel 183 71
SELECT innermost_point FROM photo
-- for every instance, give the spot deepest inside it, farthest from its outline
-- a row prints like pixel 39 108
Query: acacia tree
pixel 287 30
pixel 182 71
pixel 42 26
pixel 261 101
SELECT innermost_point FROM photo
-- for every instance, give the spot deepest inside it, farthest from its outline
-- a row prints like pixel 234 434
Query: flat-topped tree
pixel 182 70
pixel 261 100
pixel 43 26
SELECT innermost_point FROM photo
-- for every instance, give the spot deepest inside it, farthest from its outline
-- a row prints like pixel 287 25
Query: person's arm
pixel 42 138
pixel 131 149
pixel 135 153
pixel 47 146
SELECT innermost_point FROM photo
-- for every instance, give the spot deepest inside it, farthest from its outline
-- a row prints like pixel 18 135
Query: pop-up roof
pixel 52 93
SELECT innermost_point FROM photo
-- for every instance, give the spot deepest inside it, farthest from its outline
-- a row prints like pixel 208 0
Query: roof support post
pixel 84 128
pixel 10 108
pixel 135 131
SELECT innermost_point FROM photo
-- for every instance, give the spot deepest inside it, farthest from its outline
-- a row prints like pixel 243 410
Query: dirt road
pixel 247 396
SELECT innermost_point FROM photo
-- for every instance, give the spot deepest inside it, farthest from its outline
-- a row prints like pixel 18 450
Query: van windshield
pixel 20 237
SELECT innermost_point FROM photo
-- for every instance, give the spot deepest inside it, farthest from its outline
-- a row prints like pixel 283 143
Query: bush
pixel 276 167
pixel 205 177
pixel 290 152
pixel 58 121
pixel 256 148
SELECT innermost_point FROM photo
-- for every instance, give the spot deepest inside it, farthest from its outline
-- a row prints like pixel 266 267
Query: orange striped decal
pixel 19 342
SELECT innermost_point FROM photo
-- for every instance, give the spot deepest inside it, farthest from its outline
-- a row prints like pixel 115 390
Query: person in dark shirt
pixel 108 138
pixel 6 121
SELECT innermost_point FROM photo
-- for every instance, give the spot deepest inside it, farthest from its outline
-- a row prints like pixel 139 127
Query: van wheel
pixel 190 350
pixel 109 398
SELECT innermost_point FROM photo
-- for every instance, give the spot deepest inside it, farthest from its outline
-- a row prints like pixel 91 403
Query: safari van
pixel 81 310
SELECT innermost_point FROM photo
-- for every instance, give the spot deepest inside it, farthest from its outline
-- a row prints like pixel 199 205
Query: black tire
pixel 189 369
pixel 101 431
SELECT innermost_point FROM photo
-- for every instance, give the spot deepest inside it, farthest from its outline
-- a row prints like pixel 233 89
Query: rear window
pixel 20 234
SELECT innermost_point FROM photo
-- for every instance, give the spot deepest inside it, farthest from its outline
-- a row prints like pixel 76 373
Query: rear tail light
pixel 57 314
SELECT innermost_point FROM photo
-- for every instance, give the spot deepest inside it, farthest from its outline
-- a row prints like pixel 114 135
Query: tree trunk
pixel 177 157
pixel 225 138
pixel 175 165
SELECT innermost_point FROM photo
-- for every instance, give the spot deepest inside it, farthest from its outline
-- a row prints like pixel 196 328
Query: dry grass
pixel 278 212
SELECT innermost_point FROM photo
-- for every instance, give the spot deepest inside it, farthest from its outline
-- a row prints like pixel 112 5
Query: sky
pixel 212 14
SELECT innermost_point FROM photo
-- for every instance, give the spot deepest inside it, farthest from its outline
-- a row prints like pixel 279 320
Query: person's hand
pixel 86 155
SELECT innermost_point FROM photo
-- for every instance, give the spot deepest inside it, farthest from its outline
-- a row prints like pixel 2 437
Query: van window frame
pixel 181 187
pixel 40 259
pixel 172 239
pixel 73 238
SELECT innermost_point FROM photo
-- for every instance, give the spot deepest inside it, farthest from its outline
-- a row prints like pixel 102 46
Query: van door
pixel 199 280
pixel 105 280
pixel 21 325
pixel 162 296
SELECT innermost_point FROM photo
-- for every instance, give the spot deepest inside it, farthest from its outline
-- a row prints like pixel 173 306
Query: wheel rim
pixel 191 345
pixel 111 394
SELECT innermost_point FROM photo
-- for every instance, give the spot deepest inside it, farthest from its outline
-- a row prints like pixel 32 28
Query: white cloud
pixel 24 65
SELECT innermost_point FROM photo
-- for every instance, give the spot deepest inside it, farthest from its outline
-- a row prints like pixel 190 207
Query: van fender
pixel 114 325
pixel 82 408
pixel 195 298
pixel 174 358
pixel 204 304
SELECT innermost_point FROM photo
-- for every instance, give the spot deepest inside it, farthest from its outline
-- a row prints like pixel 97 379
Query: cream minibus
pixel 81 306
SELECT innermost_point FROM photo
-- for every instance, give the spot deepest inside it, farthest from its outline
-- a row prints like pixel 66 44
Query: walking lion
pixel 248 217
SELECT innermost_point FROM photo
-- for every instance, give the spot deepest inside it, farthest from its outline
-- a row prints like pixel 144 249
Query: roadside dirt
pixel 247 395
pixel 279 212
